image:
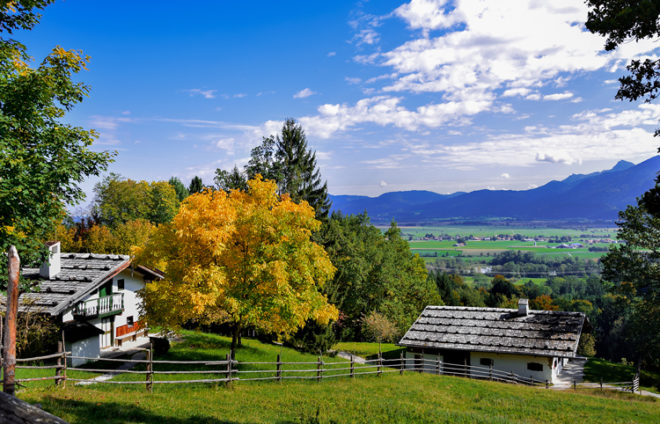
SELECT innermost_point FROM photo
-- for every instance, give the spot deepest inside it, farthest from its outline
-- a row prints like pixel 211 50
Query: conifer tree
pixel 300 176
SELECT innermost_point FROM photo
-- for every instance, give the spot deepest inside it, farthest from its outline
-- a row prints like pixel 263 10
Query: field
pixel 480 251
pixel 411 398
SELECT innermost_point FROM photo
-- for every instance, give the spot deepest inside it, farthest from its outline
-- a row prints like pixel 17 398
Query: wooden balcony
pixel 101 307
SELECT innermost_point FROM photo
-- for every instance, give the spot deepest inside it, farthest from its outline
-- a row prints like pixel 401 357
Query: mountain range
pixel 595 197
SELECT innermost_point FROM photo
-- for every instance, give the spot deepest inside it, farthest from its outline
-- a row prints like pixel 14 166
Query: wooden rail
pixel 230 370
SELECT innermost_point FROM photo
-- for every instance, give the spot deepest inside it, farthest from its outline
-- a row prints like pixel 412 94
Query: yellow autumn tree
pixel 245 258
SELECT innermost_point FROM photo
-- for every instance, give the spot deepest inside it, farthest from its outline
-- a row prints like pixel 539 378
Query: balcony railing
pixel 106 305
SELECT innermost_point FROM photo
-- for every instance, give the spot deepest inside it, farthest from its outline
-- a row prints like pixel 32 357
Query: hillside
pixel 411 398
pixel 598 196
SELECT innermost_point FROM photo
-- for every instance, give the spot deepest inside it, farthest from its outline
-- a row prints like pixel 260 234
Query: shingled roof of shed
pixel 80 275
pixel 539 333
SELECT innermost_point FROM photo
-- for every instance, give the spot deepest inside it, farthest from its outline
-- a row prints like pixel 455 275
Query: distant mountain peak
pixel 622 165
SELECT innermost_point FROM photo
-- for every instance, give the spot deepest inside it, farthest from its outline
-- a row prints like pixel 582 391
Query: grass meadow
pixel 392 398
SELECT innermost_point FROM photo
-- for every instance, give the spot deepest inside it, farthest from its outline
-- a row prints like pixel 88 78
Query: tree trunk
pixel 235 338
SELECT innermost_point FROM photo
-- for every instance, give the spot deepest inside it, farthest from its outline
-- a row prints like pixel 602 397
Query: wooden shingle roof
pixel 540 333
pixel 80 275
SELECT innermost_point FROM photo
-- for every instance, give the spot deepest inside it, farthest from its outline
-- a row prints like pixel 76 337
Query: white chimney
pixel 523 307
pixel 52 266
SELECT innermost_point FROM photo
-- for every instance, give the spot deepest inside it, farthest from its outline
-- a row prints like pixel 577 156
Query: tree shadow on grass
pixel 85 412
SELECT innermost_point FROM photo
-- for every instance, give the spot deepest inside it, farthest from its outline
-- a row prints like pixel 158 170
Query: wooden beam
pixel 9 363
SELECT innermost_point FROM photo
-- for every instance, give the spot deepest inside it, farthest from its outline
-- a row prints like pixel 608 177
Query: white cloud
pixel 353 80
pixel 520 91
pixel 226 144
pixel 383 183
pixel 505 175
pixel 366 36
pixel 305 92
pixel 428 14
pixel 207 94
pixel 101 122
pixel 331 54
pixel 560 156
pixel 594 135
pixel 558 96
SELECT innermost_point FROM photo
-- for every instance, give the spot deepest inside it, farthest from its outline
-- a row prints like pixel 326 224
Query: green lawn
pixel 365 349
pixel 596 369
pixel 411 398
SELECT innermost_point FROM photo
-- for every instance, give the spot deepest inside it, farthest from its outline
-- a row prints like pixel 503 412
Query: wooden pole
pixel 380 362
pixel 279 368
pixel 601 384
pixel 490 372
pixel 437 365
pixel 574 385
pixel 150 368
pixel 58 370
pixel 402 364
pixel 228 370
pixel 352 368
pixel 65 364
pixel 319 369
pixel 9 363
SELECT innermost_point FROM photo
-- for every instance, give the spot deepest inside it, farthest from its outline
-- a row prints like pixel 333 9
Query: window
pixel 129 321
pixel 120 284
pixel 534 366
pixel 486 362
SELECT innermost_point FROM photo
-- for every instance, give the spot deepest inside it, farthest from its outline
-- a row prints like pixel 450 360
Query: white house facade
pixel 94 297
pixel 527 343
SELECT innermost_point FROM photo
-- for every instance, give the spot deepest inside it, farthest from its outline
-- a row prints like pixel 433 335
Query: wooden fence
pixel 229 370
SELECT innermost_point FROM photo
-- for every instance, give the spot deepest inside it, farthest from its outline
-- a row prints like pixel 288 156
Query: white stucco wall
pixel 516 364
pixel 132 283
pixel 87 347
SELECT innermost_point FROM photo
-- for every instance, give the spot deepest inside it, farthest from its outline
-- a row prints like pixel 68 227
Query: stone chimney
pixel 52 266
pixel 523 307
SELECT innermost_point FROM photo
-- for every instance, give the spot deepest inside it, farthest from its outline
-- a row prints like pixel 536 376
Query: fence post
pixel 513 378
pixel 402 364
pixel 9 362
pixel 601 384
pixel 490 372
pixel 574 384
pixel 228 383
pixel 319 369
pixel 150 368
pixel 58 370
pixel 279 368
pixel 380 364
pixel 437 365
pixel 352 367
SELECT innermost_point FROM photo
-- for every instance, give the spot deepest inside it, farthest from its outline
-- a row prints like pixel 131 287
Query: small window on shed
pixel 120 284
pixel 534 366
pixel 129 321
pixel 486 362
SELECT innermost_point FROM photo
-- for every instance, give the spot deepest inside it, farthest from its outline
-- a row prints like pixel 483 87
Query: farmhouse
pixel 525 342
pixel 93 296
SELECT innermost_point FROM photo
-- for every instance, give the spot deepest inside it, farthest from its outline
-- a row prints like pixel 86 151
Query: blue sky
pixel 429 94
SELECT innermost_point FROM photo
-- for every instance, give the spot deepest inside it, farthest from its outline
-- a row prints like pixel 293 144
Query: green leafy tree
pixel 181 190
pixel 635 267
pixel 230 180
pixel 375 272
pixel 262 161
pixel 196 185
pixel 299 173
pixel 121 200
pixel 621 21
pixel 163 202
pixel 43 159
